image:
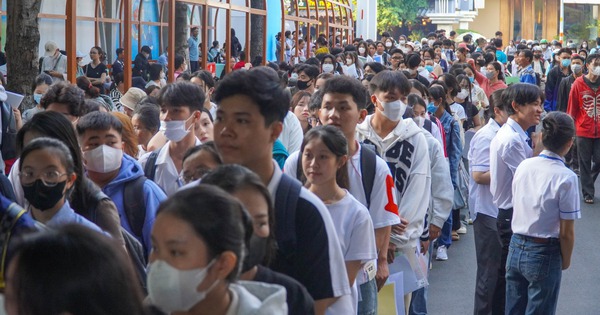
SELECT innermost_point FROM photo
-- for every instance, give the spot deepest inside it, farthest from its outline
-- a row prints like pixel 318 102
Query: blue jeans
pixel 368 293
pixel 533 273
pixel 446 233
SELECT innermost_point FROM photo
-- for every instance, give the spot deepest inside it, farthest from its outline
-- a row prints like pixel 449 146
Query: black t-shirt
pixel 298 300
pixel 96 72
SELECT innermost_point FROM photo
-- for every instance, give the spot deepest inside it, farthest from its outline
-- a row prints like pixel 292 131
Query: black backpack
pixel 135 250
pixel 150 167
pixel 286 202
pixel 368 168
pixel 134 202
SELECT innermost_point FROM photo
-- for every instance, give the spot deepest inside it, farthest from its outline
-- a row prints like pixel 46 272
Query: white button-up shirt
pixel 166 175
pixel 545 191
pixel 480 196
pixel 508 149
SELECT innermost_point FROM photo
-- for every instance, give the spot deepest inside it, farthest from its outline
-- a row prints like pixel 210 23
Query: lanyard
pixel 552 158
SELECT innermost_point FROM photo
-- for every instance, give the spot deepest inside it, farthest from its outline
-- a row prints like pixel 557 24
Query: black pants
pixel 489 286
pixel 456 224
pixel 589 164
pixel 194 66
pixel 572 158
pixel 505 233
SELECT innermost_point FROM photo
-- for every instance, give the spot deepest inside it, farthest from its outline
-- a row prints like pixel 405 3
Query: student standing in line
pixel 524 104
pixel 489 287
pixel 324 155
pixel 546 204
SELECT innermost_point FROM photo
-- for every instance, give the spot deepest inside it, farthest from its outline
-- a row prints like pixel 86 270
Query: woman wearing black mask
pixel 47 174
pixel 260 241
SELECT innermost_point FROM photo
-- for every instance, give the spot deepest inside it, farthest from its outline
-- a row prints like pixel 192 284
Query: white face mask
pixel 393 110
pixel 361 50
pixel 420 121
pixel 596 71
pixel 544 46
pixel 402 42
pixel 327 68
pixel 175 129
pixel 294 76
pixel 420 69
pixel 463 94
pixel 576 68
pixel 388 44
pixel 103 159
pixel 171 289
pixel 430 42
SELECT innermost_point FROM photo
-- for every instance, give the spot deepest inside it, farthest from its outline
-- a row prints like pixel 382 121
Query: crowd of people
pixel 294 187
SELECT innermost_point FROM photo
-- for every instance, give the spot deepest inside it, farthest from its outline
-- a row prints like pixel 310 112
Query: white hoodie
pixel 257 298
pixel 406 151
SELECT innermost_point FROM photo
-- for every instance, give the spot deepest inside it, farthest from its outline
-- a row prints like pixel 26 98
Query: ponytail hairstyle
pixel 86 85
pixel 558 130
pixel 336 142
pixel 438 91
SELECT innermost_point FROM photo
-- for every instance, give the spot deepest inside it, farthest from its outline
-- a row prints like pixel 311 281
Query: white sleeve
pixel 292 133
pixel 460 112
pixel 442 192
pixel 14 179
pixel 384 212
pixel 291 164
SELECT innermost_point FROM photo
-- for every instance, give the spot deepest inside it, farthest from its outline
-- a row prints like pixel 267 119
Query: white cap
pixel 50 48
pixel 80 54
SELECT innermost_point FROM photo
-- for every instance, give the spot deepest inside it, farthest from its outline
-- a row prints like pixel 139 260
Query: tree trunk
pixel 22 42
pixel 257 35
pixel 181 30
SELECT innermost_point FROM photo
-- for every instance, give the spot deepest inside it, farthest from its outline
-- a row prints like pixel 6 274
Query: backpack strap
pixel 150 167
pixel 299 171
pixel 368 168
pixel 135 205
pixel 286 202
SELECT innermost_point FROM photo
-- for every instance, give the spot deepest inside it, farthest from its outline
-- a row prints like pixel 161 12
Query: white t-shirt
pixel 355 232
pixel 458 111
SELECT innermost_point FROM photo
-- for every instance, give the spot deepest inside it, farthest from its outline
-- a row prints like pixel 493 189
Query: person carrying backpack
pixel 119 175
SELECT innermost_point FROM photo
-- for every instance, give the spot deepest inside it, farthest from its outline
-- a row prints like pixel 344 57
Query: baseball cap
pixel 132 97
pixel 80 54
pixel 50 48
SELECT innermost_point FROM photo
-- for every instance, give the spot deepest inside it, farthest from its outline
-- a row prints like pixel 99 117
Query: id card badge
pixel 370 270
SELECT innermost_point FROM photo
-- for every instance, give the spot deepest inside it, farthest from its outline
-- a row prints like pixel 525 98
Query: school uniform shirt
pixel 545 191
pixel 66 215
pixel 480 197
pixel 355 232
pixel 406 152
pixel 166 175
pixel 319 261
pixel 383 206
pixel 507 150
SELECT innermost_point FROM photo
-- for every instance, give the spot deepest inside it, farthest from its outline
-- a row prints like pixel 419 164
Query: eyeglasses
pixel 49 178
pixel 314 121
pixel 187 178
pixel 397 58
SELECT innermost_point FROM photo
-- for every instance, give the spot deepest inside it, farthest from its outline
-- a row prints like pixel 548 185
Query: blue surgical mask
pixel 429 68
pixel 472 79
pixel 431 108
pixel 566 62
pixel 37 98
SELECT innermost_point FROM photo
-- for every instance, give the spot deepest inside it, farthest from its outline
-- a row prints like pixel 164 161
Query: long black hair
pixel 336 142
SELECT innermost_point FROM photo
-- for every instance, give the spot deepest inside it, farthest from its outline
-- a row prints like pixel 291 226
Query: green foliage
pixel 394 13
pixel 462 30
pixel 416 36
pixel 579 31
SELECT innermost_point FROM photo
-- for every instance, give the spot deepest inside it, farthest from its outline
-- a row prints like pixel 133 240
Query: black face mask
pixel 302 85
pixel 256 252
pixel 43 197
pixel 480 62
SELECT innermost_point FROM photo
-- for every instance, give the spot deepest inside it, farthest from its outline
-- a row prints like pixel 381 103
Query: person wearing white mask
pixel 100 136
pixel 194 266
pixel 401 143
pixel 180 110
pixel 351 68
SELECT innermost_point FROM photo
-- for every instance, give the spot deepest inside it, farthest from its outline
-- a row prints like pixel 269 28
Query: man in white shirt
pixel 489 287
pixel 508 149
pixel 54 63
pixel 180 110
pixel 251 108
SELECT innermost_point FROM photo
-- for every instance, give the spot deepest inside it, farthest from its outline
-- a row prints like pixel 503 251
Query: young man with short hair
pixel 526 73
pixel 508 149
pixel 403 146
pixel 64 98
pixel 584 108
pixel 119 64
pixel 193 42
pixel 205 81
pixel 490 285
pixel 180 109
pixel 307 77
pixel 251 107
pixel 101 140
pixel 342 103
pixel 556 74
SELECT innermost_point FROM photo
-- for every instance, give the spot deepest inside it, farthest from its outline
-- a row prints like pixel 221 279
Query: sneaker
pixel 442 253
pixel 462 230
